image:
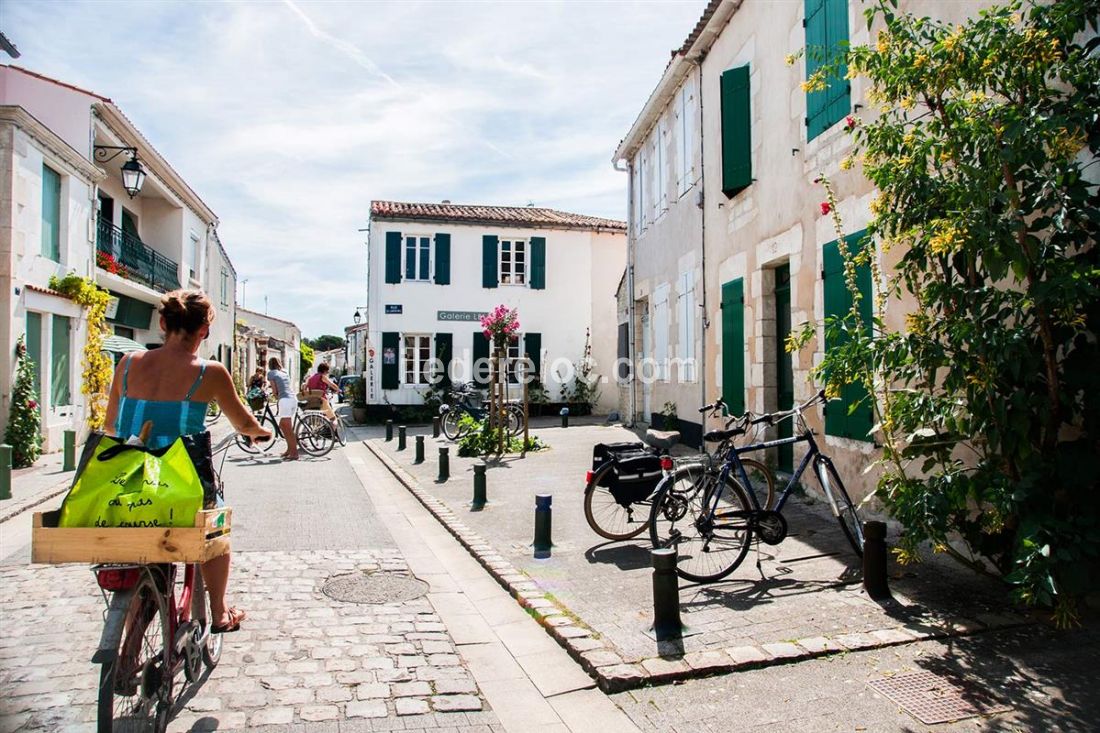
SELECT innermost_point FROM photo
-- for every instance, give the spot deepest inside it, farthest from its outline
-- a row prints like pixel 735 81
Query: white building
pixel 435 269
pixel 63 209
pixel 335 358
pixel 260 337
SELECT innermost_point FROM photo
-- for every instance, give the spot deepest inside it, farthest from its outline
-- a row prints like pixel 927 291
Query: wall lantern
pixel 357 318
pixel 133 175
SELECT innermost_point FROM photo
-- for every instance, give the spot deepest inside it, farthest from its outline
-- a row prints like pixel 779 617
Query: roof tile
pixel 508 215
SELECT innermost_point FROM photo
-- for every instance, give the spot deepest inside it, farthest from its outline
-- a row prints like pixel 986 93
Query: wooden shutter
pixel 733 345
pixel 481 352
pixel 532 346
pixel 393 257
pixel 736 131
pixel 537 257
pixel 444 350
pixel 51 214
pixel 442 259
pixel 826 42
pixel 841 419
pixel 391 344
pixel 489 263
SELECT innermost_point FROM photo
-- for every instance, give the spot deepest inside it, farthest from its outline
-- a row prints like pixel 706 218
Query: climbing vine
pixel 96 381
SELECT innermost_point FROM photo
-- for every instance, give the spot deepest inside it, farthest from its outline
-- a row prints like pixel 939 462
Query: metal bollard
pixel 480 497
pixel 666 596
pixel 69 463
pixel 564 417
pixel 389 430
pixel 5 471
pixel 444 464
pixel 435 426
pixel 400 437
pixel 543 542
pixel 419 449
pixel 874 561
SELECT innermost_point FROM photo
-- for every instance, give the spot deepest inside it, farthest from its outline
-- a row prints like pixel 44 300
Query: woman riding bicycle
pixel 171 387
pixel 318 386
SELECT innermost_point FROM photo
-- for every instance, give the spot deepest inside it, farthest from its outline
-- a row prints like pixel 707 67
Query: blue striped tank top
pixel 171 418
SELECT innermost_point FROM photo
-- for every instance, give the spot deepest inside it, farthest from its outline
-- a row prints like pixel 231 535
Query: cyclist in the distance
pixel 318 386
pixel 287 405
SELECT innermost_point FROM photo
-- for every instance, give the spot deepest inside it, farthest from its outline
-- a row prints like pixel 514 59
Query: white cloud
pixel 288 118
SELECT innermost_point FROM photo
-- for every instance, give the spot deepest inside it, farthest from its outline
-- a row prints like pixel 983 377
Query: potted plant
pixel 356 390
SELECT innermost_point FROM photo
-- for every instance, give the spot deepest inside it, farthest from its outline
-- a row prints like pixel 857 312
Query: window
pixel 660 331
pixel 418 255
pixel 685 321
pixel 513 262
pixel 193 256
pixel 826 42
pixel 225 287
pixel 417 359
pixel 685 119
pixel 512 356
pixel 60 363
pixel 851 416
pixel 641 196
pixel 664 149
pixel 51 213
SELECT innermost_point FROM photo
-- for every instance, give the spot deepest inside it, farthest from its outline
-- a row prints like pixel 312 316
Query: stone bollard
pixel 564 417
pixel 444 463
pixel 69 462
pixel 435 426
pixel 389 430
pixel 480 494
pixel 419 449
pixel 400 437
pixel 666 596
pixel 543 542
pixel 874 561
pixel 5 471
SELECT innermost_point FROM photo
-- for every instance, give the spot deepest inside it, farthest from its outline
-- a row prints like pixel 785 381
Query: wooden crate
pixel 208 539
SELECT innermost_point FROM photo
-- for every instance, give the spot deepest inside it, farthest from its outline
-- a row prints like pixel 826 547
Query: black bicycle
pixel 315 433
pixel 460 401
pixel 708 515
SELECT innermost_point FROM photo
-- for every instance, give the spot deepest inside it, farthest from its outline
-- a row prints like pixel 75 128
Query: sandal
pixel 234 624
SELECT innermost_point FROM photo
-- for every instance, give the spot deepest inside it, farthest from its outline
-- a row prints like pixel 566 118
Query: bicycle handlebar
pixel 716 406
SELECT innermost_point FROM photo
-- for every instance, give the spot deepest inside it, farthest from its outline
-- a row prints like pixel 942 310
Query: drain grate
pixel 933 699
pixel 377 587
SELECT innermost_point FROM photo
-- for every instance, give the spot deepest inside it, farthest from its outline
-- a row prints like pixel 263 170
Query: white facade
pixel 260 337
pixel 411 319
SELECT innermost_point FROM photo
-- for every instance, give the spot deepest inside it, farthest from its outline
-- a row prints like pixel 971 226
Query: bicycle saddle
pixel 662 439
pixel 717 436
pixel 303 403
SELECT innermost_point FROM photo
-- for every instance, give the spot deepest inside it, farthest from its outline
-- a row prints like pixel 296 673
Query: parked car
pixel 343 384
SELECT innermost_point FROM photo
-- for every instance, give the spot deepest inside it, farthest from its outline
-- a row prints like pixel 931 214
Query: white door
pixel 646 375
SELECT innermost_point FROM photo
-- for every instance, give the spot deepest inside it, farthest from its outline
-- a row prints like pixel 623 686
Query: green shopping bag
pixel 119 485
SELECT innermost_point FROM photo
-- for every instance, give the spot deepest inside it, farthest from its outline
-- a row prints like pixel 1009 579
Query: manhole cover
pixel 374 587
pixel 933 699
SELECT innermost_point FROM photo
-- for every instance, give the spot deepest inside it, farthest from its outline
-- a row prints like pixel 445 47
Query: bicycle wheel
pixel 606 516
pixel 450 424
pixel 341 430
pixel 843 508
pixel 254 448
pixel 692 514
pixel 200 604
pixel 513 420
pixel 316 435
pixel 765 481
pixel 135 686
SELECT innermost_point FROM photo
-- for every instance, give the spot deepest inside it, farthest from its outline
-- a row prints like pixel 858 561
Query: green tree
pixel 306 352
pixel 980 140
pixel 328 342
pixel 24 433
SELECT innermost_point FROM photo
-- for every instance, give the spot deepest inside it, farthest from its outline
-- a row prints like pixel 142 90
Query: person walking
pixel 287 405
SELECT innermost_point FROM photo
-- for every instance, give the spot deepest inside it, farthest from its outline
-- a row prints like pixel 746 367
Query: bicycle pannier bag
pixel 120 485
pixel 636 473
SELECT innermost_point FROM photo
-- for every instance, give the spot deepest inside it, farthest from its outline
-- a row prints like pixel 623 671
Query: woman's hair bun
pixel 186 310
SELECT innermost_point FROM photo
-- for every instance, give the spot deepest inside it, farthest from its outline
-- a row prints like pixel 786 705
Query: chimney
pixel 446 201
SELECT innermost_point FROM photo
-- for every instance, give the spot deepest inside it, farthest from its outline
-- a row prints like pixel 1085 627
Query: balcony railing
pixel 133 259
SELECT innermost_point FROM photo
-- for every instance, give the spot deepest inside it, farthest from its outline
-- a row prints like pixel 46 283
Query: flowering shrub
pixel 24 433
pixel 106 261
pixel 500 325
pixel 98 369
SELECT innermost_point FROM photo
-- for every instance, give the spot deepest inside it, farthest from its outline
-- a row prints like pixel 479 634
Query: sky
pixel 289 117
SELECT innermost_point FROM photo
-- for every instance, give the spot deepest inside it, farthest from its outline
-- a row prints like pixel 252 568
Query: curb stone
pixel 603 662
pixel 36 500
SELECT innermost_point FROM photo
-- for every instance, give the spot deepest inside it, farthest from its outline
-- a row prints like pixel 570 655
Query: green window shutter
pixel 538 263
pixel 391 344
pixel 444 350
pixel 489 264
pixel 51 214
pixel 393 257
pixel 442 259
pixel 532 346
pixel 826 42
pixel 34 350
pixel 816 44
pixel 840 418
pixel 481 351
pixel 736 131
pixel 61 366
pixel 733 345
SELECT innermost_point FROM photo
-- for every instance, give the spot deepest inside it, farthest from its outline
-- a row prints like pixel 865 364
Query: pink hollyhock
pixel 849 123
pixel 826 207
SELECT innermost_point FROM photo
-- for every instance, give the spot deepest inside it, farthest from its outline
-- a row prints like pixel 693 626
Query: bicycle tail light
pixel 588 477
pixel 666 463
pixel 117 579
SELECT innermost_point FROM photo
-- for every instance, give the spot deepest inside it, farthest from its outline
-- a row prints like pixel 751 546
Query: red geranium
pixel 826 207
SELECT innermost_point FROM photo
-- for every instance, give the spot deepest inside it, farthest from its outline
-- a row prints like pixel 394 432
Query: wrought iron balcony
pixel 127 256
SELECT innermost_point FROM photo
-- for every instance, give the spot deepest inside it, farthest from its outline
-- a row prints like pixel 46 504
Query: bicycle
pixel 155 626
pixel 711 520
pixel 314 432
pixel 456 404
pixel 627 475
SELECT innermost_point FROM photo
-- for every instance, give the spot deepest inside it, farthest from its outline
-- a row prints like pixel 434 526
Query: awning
pixel 121 345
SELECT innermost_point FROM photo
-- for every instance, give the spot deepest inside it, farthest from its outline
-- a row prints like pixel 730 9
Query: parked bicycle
pixel 315 433
pixel 156 625
pixel 708 515
pixel 620 487
pixel 460 401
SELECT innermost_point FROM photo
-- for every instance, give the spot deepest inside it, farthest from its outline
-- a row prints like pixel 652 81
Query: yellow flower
pixel 846 164
pixel 905 161
pixel 1016 19
pixel 815 83
pixel 909 139
pixel 946 239
pixel 878 204
pixel 883 44
pixel 832 392
pixel 907 103
pixel 790 59
pixel 920 60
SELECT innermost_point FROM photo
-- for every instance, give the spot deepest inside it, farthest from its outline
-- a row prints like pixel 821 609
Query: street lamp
pixel 133 175
pixel 358 318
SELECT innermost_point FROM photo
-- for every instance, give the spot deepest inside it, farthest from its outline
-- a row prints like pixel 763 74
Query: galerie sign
pixel 460 315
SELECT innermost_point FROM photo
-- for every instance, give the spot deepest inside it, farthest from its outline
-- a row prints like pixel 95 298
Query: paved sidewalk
pixel 32 486
pixel 595 596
